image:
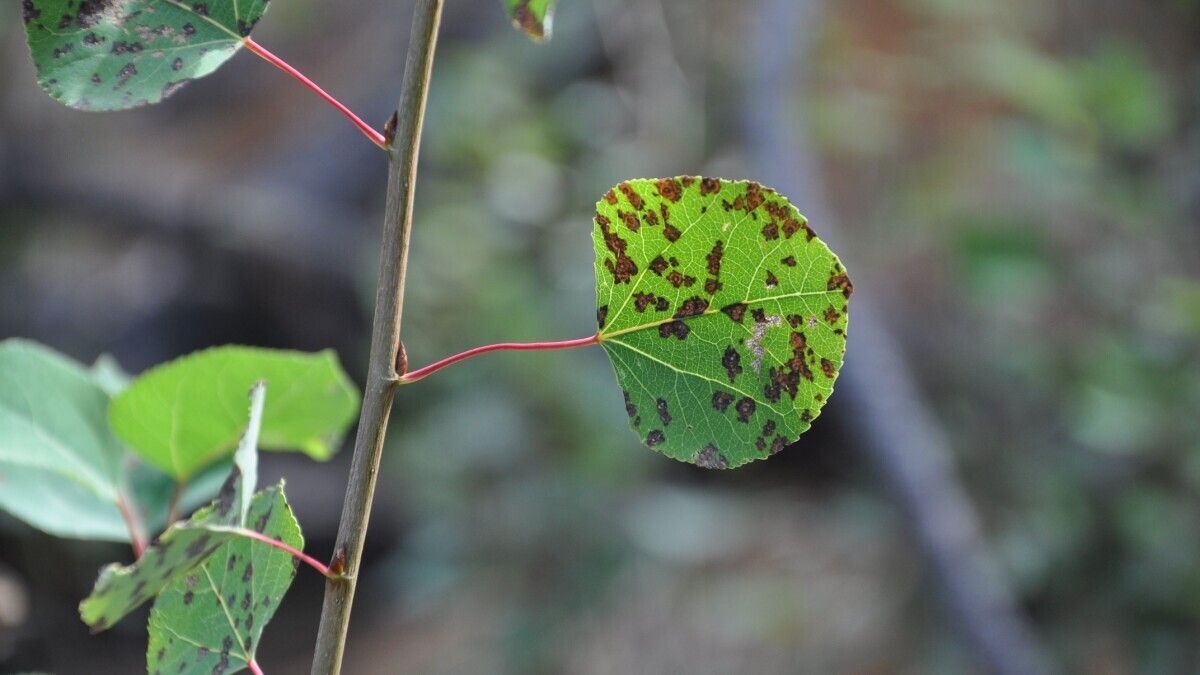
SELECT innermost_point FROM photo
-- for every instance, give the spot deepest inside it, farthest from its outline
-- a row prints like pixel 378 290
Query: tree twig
pixel 381 380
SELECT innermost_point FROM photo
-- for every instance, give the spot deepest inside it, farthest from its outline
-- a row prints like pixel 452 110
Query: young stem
pixel 291 550
pixel 376 137
pixel 422 373
pixel 136 536
pixel 255 669
pixel 380 387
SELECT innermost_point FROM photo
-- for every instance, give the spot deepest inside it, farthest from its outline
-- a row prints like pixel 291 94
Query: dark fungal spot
pixel 635 200
pixel 200 8
pixel 710 186
pixel 642 300
pixel 162 651
pixel 827 368
pixel 630 408
pixel 693 306
pixel 663 414
pixel 197 547
pixel 710 458
pixel 778 445
pixel 230 562
pixel 671 233
pixel 772 280
pixel 261 523
pixel 631 220
pixel 188 597
pixel 29 12
pixel 247 600
pixel 721 401
pixel 601 316
pixel 658 265
pixel 736 311
pixel 806 416
pixel 662 304
pixel 678 329
pixel 125 74
pixel 831 315
pixel 754 196
pixel 655 437
pixel 714 258
pixel 841 282
pixel 670 189
pixel 622 268
pixel 189 30
pixel 96 78
pixel 610 197
pixel 688 181
pixel 177 64
pixel 91 40
pixel 732 362
pixel 244 28
pixel 172 87
pixel 770 231
pixel 248 573
pixel 790 261
pixel 768 428
pixel 795 320
pixel 712 286
pixel 202 653
pixel 745 409
pixel 651 218
pixel 760 316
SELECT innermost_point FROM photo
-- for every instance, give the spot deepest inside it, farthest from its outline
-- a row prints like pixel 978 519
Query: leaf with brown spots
pixel 534 18
pixel 210 620
pixel 739 366
pixel 123 588
pixel 120 54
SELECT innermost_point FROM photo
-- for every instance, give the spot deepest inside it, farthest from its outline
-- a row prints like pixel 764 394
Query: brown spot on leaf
pixel 678 329
pixel 714 258
pixel 778 445
pixel 721 401
pixel 631 221
pixel 630 408
pixel 642 300
pixel 745 409
pixel 709 186
pixel 635 200
pixel 623 268
pixel 671 233
pixel 754 196
pixel 831 315
pixel 663 414
pixel 770 231
pixel 670 189
pixel 710 458
pixel 662 304
pixel 610 197
pixel 658 265
pixel 732 362
pixel 827 368
pixel 655 437
pixel 736 311
pixel 841 282
pixel 790 261
pixel 601 316
pixel 693 306
pixel 772 280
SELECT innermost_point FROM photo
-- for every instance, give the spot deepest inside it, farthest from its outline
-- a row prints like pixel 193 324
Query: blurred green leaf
pixel 60 466
pixel 184 415
pixel 105 55
pixel 724 316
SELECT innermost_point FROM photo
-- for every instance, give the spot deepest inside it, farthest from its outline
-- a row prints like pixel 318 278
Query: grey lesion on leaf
pixel 758 333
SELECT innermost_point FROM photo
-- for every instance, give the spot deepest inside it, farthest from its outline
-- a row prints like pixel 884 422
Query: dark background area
pixel 1008 478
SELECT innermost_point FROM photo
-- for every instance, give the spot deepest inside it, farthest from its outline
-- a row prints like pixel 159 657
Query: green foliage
pixel 724 316
pixel 122 589
pixel 186 414
pixel 60 466
pixel 535 18
pixel 115 55
pixel 210 619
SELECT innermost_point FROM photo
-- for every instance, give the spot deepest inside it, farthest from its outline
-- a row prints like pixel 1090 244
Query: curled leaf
pixel 535 18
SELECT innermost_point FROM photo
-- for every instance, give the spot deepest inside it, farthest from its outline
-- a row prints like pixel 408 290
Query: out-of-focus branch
pixel 894 427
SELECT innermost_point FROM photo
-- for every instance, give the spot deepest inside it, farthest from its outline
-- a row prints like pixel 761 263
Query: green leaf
pixel 184 415
pixel 60 467
pixel 120 54
pixel 210 619
pixel 532 17
pixel 724 316
pixel 123 588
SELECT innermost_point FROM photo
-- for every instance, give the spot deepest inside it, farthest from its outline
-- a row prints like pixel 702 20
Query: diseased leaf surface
pixel 209 620
pixel 532 17
pixel 119 54
pixel 123 588
pixel 60 467
pixel 184 415
pixel 722 312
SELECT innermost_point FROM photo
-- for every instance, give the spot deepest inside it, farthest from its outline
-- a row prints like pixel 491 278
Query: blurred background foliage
pixel 1018 184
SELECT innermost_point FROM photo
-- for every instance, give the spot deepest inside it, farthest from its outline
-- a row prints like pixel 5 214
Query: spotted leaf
pixel 722 312
pixel 120 54
pixel 532 17
pixel 209 620
pixel 184 545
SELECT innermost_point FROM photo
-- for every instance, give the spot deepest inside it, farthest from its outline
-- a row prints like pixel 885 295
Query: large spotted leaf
pixel 210 619
pixel 119 54
pixel 123 588
pixel 722 312
pixel 532 17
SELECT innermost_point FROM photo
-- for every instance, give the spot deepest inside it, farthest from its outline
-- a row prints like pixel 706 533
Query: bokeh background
pixel 1008 479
